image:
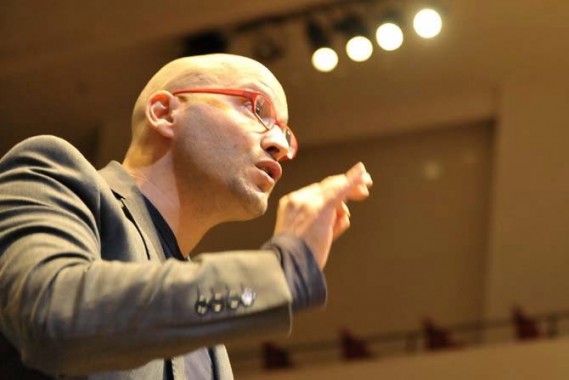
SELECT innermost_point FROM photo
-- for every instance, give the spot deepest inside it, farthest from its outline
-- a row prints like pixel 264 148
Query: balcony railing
pixel 430 337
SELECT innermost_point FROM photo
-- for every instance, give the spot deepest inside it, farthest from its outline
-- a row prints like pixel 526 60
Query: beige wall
pixel 529 239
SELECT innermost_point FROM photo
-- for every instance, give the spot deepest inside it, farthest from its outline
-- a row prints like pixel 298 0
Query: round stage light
pixel 359 49
pixel 427 23
pixel 325 59
pixel 389 36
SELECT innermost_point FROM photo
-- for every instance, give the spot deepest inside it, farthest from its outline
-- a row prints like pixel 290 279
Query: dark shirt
pixel 199 362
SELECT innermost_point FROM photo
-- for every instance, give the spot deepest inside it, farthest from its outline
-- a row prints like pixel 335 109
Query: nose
pixel 275 143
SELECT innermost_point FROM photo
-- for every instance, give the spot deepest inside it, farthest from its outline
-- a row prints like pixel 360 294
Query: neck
pixel 183 211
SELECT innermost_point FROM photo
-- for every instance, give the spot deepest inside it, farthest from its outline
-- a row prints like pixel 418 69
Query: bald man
pixel 95 276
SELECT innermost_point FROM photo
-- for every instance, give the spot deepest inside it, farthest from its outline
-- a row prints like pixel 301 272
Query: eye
pixel 264 111
pixel 246 104
pixel 260 106
pixel 259 109
pixel 248 108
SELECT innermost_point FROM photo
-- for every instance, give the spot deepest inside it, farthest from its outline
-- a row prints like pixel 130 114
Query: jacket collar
pixel 128 193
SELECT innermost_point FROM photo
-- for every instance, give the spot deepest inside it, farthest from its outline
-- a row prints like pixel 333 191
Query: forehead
pixel 227 71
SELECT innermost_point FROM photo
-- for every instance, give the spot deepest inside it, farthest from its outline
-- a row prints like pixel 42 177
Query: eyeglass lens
pixel 265 111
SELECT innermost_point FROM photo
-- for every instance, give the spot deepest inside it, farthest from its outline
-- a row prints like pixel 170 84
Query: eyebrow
pixel 255 87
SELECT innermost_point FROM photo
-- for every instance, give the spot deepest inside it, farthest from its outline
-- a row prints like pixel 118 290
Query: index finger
pixel 353 185
pixel 360 180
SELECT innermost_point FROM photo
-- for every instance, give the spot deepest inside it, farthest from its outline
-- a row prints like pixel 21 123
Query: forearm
pixel 109 315
pixel 304 278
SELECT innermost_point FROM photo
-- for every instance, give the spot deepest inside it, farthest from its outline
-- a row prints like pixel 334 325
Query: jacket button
pixel 202 304
pixel 217 303
pixel 248 297
pixel 233 300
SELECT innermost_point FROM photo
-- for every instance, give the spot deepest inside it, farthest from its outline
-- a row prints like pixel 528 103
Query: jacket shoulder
pixel 50 156
pixel 44 148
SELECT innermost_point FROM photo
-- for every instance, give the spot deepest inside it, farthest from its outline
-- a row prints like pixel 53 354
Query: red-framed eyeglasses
pixel 261 107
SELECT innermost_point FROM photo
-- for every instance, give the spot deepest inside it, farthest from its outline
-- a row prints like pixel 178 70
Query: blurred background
pixel 464 133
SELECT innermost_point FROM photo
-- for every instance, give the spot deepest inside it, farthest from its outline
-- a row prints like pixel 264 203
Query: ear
pixel 159 110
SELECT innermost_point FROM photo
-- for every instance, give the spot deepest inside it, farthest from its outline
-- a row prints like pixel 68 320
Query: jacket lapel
pixel 221 363
pixel 134 206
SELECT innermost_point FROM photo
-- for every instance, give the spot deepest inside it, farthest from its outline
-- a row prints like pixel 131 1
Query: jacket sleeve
pixel 69 312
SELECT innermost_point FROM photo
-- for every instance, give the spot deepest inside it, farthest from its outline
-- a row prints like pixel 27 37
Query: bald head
pixel 212 70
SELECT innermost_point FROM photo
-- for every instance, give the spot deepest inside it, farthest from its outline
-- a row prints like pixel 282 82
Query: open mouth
pixel 272 168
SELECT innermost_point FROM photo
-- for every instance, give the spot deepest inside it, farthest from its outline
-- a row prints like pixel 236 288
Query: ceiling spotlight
pixel 267 42
pixel 267 49
pixel 427 23
pixel 324 58
pixel 389 36
pixel 359 48
pixel 205 43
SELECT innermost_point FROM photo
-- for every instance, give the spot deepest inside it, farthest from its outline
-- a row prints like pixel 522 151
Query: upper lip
pixel 273 169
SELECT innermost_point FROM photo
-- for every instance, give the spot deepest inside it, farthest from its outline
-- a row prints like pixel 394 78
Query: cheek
pixel 216 136
pixel 230 131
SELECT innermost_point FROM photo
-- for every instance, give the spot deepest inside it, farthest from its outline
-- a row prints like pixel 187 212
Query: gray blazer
pixel 86 291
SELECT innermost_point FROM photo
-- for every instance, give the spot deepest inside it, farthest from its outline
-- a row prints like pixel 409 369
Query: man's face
pixel 224 152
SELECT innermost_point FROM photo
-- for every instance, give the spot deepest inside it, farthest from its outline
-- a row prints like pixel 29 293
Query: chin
pixel 255 204
pixel 258 208
pixel 252 200
pixel 249 213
